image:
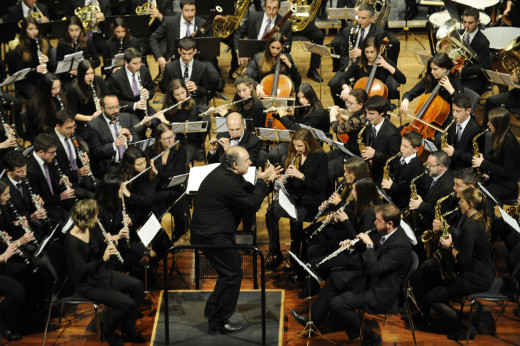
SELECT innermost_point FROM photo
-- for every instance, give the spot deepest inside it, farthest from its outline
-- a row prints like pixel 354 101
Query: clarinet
pixel 58 98
pixel 63 178
pixel 110 242
pixel 80 153
pixel 75 44
pixel 277 193
pixel 121 45
pixel 40 53
pixel 125 222
pixel 95 97
pixel 326 222
pixel 120 128
pixel 141 92
pixel 341 249
pixel 37 204
pixel 20 253
pixel 8 134
pixel 340 186
pixel 20 219
pixel 352 42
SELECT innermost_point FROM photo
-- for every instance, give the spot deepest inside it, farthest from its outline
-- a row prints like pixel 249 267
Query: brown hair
pixel 311 144
pixel 84 213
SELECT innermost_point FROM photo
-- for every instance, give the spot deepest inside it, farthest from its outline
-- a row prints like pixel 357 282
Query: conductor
pixel 222 198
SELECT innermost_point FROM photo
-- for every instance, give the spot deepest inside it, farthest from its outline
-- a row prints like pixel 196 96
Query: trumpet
pixel 341 249
pixel 227 105
pixel 287 108
pixel 338 189
pixel 326 222
pixel 21 220
pixel 142 122
pixel 82 159
pixel 95 97
pixel 110 242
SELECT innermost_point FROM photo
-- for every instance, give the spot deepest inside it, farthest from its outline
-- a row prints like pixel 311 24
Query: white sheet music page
pixel 287 205
pixel 149 230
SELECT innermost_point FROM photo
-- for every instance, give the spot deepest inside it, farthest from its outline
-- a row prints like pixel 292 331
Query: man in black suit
pixel 133 90
pixel 386 264
pixel 68 156
pixel 381 137
pixel 472 76
pixel 237 135
pixel 181 25
pixel 45 179
pixel 461 133
pixel 105 139
pixel 201 76
pixel 24 8
pixel 256 25
pixel 163 10
pixel 222 197
pixel 105 11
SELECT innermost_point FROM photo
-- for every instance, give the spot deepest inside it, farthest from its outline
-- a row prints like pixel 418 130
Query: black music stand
pixel 8 32
pixel 207 47
pixel 69 63
pixel 137 25
pixel 406 28
pixel 53 29
pixel 249 48
pixel 204 7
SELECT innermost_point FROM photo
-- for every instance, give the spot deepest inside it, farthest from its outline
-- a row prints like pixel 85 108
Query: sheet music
pixel 44 242
pixel 488 193
pixel 27 150
pixel 341 13
pixel 178 179
pixel 148 231
pixel 19 75
pixel 68 225
pixel 509 220
pixel 143 144
pixel 429 146
pixel 408 230
pixel 287 205
pixel 341 147
pixel 70 62
pixel 118 60
pixel 307 267
pixel 2 174
pixel 189 127
pixel 268 134
pixel 198 174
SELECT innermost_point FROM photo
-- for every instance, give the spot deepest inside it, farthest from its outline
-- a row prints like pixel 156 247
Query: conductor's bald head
pixel 235 124
pixel 236 159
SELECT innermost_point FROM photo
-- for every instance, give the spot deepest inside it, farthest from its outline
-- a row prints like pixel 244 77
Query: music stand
pixel 248 48
pixel 204 7
pixel 276 135
pixel 190 127
pixel 406 28
pixel 137 25
pixel 310 327
pixel 18 76
pixel 342 13
pixel 321 51
pixel 70 62
pixel 53 29
pixel 207 47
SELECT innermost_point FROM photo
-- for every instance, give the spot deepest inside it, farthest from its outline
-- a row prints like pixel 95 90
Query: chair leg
pixel 469 321
pixel 410 320
pixel 361 327
pixel 48 320
pixel 98 326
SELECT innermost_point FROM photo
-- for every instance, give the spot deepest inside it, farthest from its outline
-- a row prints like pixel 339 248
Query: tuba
pixel 382 10
pixel 304 13
pixel 225 29
pixel 508 60
pixel 451 42
pixel 87 15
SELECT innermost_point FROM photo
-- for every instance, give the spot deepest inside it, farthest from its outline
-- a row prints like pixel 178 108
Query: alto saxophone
pixel 476 153
pixel 444 137
pixel 444 257
pixel 386 169
pixel 360 139
pixel 407 214
pixel 430 238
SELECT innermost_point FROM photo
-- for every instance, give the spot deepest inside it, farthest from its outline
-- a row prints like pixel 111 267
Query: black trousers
pixel 222 302
pixel 508 99
pixel 344 308
pixel 272 220
pixel 114 294
pixel 14 293
pixel 316 35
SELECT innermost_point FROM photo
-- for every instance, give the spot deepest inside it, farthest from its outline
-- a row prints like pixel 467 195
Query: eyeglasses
pixel 431 165
pixel 113 108
pixel 167 139
pixel 51 152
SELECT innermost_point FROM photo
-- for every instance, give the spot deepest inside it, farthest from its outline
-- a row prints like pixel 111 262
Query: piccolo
pixel 341 249
pixel 21 220
pixel 163 111
pixel 19 252
pixel 153 159
pixel 340 186
pixel 227 105
pixel 125 221
pixel 287 108
pixel 110 242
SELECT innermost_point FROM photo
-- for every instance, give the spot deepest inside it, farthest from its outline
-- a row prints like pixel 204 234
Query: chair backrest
pixel 474 97
pixel 414 264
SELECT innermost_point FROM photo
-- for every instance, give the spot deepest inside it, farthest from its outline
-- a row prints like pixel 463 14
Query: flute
pixel 148 168
pixel 110 242
pixel 142 122
pixel 19 252
pixel 20 219
pixel 125 221
pixel 326 222
pixel 287 108
pixel 80 153
pixel 227 105
pixel 340 186
pixel 341 249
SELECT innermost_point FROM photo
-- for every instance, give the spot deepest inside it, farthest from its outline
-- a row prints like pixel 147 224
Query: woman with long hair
pixel 47 100
pixel 501 166
pixel 33 52
pixel 187 111
pixel 120 40
pixel 88 257
pixel 171 163
pixel 387 71
pixel 436 68
pixel 470 257
pixel 86 95
pixel 263 64
pixel 306 173
pixel 75 39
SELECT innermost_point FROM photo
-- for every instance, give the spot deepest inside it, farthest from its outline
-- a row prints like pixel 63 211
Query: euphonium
pixel 476 153
pixel 508 60
pixel 430 238
pixel 452 43
pixel 444 137
pixel 87 15
pixel 382 10
pixel 224 29
pixel 386 168
pixel 304 13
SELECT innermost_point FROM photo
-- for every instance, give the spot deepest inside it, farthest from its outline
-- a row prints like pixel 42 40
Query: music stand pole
pixel 406 28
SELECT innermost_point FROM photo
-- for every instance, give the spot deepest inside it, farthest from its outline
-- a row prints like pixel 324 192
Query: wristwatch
pixel 370 246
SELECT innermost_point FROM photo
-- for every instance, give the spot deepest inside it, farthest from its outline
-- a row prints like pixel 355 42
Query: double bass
pixel 372 85
pixel 281 86
pixel 431 109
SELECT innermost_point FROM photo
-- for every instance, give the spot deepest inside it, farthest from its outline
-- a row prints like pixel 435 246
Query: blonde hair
pixel 84 213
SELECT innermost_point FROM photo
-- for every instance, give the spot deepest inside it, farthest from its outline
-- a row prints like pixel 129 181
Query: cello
pixel 372 85
pixel 431 109
pixel 281 86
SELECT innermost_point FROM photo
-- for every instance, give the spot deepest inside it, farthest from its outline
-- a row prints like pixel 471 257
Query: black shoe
pixel 373 340
pixel 9 335
pixel 112 338
pixel 302 320
pixel 134 337
pixel 225 328
pixel 411 13
pixel 274 262
pixel 314 75
pixel 460 333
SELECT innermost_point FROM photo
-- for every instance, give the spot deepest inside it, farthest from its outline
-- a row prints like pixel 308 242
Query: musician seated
pixel 236 135
pixel 512 13
pixel 385 263
pixel 25 8
pixel 466 266
pixel 404 170
pixel 347 123
pixel 461 134
pixel 200 76
pixel 473 75
pixel 256 25
pixel 509 99
pixel 501 166
pixel 11 105
pixel 381 138
pixel 120 40
pixel 264 64
pixel 387 73
pixel 133 85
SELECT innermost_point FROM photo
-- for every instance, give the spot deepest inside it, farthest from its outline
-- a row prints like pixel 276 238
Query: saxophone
pixel 430 238
pixel 476 153
pixel 408 215
pixel 304 14
pixel 444 257
pixel 386 169
pixel 225 29
pixel 444 137
pixel 360 141
pixel 95 97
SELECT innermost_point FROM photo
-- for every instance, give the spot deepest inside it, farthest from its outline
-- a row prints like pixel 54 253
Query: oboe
pixel 110 242
pixel 58 98
pixel 326 222
pixel 125 220
pixel 20 253
pixel 121 45
pixel 75 44
pixel 81 154
pixel 95 97
pixel 340 187
pixel 120 128
pixel 20 219
pixel 341 249
pixel 162 111
pixel 141 93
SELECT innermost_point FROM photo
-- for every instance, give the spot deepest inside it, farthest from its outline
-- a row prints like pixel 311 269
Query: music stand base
pixel 311 330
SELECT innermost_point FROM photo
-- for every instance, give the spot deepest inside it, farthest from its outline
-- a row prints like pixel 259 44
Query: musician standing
pixel 222 197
